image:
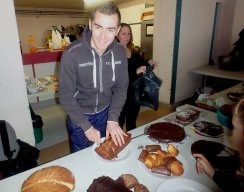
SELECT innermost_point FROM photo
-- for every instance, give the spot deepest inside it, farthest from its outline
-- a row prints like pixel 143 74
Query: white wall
pixel 163 43
pixel 238 23
pixel 137 11
pixel 38 26
pixel 194 46
pixel 13 95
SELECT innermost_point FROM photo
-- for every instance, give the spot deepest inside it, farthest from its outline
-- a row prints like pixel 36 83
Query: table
pixel 48 90
pixel 224 93
pixel 86 166
pixel 211 70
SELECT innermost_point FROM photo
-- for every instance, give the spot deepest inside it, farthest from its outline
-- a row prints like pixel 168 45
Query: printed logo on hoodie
pixel 116 63
pixel 85 64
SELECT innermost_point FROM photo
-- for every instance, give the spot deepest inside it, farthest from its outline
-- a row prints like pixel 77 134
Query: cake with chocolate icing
pixel 208 129
pixel 187 115
pixel 165 132
pixel 107 184
pixel 207 148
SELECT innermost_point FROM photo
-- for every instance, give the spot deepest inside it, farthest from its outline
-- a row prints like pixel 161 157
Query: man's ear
pixel 90 24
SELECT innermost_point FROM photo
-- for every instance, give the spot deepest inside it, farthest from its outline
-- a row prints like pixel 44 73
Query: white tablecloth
pixel 86 166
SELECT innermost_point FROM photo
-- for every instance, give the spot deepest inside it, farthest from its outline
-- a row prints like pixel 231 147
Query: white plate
pixel 161 176
pixel 182 185
pixel 124 154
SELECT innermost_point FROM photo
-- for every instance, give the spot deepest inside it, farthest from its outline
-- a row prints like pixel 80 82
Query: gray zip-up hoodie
pixel 88 83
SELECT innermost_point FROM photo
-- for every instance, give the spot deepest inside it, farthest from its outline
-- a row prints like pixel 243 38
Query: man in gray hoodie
pixel 93 81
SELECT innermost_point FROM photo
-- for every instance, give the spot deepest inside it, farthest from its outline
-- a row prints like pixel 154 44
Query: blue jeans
pixel 78 140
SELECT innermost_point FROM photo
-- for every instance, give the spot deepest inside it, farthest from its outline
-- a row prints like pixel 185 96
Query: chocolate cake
pixel 207 148
pixel 107 184
pixel 220 156
pixel 208 128
pixel 187 115
pixel 165 132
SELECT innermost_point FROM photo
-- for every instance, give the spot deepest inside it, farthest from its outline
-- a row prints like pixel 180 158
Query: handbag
pixel 26 157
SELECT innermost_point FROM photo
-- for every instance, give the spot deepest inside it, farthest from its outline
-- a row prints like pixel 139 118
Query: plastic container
pixel 224 120
pixel 31 43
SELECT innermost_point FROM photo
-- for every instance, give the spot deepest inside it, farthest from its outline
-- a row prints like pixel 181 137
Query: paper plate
pixel 124 154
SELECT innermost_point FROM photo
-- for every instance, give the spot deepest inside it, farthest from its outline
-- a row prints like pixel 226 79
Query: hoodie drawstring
pixel 94 70
pixel 113 66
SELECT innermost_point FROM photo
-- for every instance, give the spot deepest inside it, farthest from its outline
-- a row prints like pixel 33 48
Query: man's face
pixel 104 29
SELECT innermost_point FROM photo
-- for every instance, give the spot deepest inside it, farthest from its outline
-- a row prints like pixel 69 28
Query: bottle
pixel 31 43
pixel 50 44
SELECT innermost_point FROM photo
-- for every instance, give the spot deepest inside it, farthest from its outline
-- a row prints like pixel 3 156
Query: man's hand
pixel 116 133
pixel 93 135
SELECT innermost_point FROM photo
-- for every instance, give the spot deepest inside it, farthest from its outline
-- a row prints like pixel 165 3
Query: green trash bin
pixel 38 134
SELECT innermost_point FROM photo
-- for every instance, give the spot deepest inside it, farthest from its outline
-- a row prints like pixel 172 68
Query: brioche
pixel 108 150
pixel 177 168
pixel 172 150
pixel 53 179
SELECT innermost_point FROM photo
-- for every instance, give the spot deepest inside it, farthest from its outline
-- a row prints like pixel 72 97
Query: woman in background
pixel 228 180
pixel 136 65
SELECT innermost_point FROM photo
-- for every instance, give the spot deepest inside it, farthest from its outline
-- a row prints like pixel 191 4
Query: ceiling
pixel 72 4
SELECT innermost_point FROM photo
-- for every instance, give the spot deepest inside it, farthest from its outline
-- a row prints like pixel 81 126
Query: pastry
pixel 161 170
pixel 140 188
pixel 172 151
pixel 129 180
pixel 176 168
pixel 108 150
pixel 165 132
pixel 152 148
pixel 144 153
pixel 53 178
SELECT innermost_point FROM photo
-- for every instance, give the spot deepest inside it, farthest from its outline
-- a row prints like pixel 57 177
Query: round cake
pixel 53 178
pixel 165 132
pixel 208 128
pixel 207 148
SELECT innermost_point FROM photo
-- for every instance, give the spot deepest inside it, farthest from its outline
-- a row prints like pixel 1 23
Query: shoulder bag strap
pixel 5 140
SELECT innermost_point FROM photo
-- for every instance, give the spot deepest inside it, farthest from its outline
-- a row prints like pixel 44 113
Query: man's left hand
pixel 116 133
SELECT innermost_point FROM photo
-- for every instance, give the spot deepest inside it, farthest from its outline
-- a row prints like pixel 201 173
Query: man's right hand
pixel 93 135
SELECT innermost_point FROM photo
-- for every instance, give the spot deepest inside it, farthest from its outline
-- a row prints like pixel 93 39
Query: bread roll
pixel 53 178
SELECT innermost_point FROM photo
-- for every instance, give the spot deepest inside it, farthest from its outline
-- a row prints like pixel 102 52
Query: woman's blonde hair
pixel 239 112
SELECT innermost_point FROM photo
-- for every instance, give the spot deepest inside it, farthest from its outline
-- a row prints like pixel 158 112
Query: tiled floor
pixel 55 138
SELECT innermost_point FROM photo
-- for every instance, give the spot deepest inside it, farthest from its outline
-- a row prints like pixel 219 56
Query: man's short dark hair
pixel 107 9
